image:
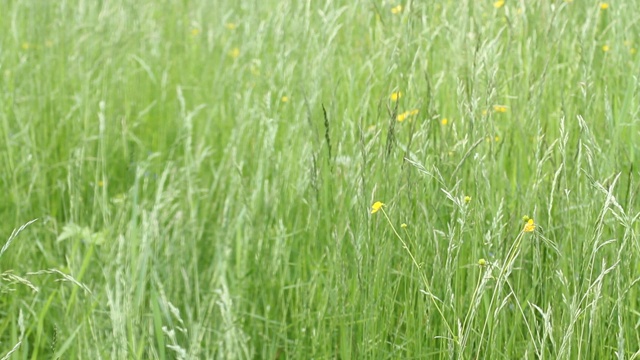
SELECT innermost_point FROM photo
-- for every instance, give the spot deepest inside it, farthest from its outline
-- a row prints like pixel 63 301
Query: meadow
pixel 319 179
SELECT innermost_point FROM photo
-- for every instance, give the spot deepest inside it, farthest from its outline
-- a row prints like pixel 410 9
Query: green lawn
pixel 201 174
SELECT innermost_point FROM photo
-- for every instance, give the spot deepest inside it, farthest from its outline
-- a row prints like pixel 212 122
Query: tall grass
pixel 203 174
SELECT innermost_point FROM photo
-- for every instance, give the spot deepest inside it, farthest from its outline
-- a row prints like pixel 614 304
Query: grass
pixel 195 180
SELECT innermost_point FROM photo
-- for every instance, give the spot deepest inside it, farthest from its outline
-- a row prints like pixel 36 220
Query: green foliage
pixel 203 173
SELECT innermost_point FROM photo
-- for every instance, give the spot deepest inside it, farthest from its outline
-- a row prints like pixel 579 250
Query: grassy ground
pixel 202 175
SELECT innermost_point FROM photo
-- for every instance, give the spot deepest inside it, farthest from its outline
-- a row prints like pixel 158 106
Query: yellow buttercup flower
pixel 529 226
pixel 500 108
pixel 604 6
pixel 234 53
pixel 444 121
pixel 396 95
pixel 404 226
pixel 396 9
pixel 376 207
pixel 606 48
pixel 467 199
pixel 230 26
pixel 498 4
pixel 405 115
pixel 285 98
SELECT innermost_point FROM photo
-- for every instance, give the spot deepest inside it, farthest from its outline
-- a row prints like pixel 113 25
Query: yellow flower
pixel 396 95
pixel 485 112
pixel 497 138
pixel 404 226
pixel 529 226
pixel 195 32
pixel 606 48
pixel 26 46
pixel 498 4
pixel 396 9
pixel 467 199
pixel 285 98
pixel 376 207
pixel 500 108
pixel 482 262
pixel 100 183
pixel 405 115
pixel 230 26
pixel 444 121
pixel 604 6
pixel 234 53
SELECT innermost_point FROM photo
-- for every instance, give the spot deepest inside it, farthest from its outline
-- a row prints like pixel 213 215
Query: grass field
pixel 195 179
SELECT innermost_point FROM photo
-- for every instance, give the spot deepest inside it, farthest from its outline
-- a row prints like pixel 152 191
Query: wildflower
pixel 100 183
pixel 396 9
pixel 467 199
pixel 444 121
pixel 285 99
pixel 405 115
pixel 604 6
pixel 500 108
pixel 529 226
pixel 376 207
pixel 195 32
pixel 498 4
pixel 482 262
pixel 396 95
pixel 606 48
pixel 26 46
pixel 234 53
pixel 230 26
pixel 404 226
pixel 485 112
pixel 497 138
